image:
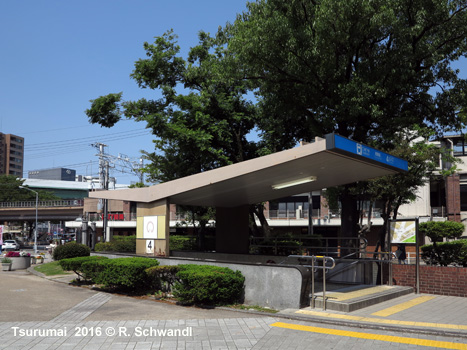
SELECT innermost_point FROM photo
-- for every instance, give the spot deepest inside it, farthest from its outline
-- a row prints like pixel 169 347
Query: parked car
pixel 10 244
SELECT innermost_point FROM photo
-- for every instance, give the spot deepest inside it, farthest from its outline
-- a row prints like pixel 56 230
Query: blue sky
pixel 57 55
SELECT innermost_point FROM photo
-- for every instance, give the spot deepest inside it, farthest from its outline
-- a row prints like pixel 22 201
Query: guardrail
pixel 314 266
pixel 309 245
pixel 44 204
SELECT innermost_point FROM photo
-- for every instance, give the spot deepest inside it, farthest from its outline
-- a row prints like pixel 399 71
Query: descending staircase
pixel 351 298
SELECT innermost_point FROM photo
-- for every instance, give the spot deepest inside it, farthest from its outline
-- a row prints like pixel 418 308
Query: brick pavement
pixel 86 319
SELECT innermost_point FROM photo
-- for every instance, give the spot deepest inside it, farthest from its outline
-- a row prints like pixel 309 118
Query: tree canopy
pixel 200 122
pixel 10 191
pixel 367 70
pixel 363 69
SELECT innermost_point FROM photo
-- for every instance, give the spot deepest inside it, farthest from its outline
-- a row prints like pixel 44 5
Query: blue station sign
pixel 343 145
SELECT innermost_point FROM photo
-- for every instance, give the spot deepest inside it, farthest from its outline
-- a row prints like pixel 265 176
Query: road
pixel 39 313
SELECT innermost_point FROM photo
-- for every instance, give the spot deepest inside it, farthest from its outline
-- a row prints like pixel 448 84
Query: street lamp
pixel 35 229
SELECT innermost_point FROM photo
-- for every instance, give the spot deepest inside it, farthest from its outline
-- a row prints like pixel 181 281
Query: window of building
pixel 463 197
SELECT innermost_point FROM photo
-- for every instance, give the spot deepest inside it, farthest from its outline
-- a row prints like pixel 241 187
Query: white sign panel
pixel 403 231
pixel 150 227
pixel 149 246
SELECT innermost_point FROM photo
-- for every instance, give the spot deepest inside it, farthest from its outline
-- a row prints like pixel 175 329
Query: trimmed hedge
pixel 183 242
pixel 118 244
pixel 204 284
pixel 437 230
pixel 75 264
pixel 71 250
pixel 122 273
pixel 190 243
pixel 446 253
pixel 163 277
pixel 104 247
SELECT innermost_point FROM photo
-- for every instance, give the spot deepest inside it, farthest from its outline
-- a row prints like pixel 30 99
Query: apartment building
pixel 11 154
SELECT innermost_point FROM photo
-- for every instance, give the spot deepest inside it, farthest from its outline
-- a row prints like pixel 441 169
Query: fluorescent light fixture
pixel 294 183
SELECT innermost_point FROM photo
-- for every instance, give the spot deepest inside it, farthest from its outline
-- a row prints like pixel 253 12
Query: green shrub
pixel 118 244
pixel 75 265
pixel 178 242
pixel 92 268
pixel 437 230
pixel 128 244
pixel 103 247
pixel 163 277
pixel 122 273
pixel 71 250
pixel 203 284
pixel 183 243
pixel 446 253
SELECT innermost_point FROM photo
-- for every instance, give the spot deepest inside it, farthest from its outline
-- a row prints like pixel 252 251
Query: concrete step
pixel 357 297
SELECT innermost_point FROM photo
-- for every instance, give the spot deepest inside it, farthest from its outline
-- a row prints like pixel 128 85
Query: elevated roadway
pixel 65 210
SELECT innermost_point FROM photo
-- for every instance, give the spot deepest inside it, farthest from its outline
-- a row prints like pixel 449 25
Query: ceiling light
pixel 294 183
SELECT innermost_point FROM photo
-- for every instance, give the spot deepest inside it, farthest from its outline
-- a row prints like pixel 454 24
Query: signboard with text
pixel 343 145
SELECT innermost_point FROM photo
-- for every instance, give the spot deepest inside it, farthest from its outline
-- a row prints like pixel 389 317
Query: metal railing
pixel 309 245
pixel 44 204
pixel 314 267
pixel 438 211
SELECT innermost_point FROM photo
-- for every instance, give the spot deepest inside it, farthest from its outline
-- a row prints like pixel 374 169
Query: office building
pixel 61 174
pixel 11 154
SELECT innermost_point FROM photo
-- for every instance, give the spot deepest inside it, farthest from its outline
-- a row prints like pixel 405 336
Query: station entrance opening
pixel 326 162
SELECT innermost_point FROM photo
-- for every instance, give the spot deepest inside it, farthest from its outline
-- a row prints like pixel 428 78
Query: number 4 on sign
pixel 150 247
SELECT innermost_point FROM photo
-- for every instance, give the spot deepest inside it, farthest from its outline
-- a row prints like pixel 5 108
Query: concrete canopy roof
pixel 333 161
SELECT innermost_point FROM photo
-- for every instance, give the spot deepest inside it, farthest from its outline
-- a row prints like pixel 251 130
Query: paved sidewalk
pixel 37 313
pixel 415 313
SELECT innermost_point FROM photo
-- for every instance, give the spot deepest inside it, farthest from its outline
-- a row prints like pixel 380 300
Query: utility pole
pixel 105 162
pixel 102 205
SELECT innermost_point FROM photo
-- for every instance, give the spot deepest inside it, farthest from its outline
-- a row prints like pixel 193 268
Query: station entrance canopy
pixel 326 162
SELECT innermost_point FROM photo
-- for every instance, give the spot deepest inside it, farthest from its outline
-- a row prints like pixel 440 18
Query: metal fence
pixel 44 204
pixel 309 245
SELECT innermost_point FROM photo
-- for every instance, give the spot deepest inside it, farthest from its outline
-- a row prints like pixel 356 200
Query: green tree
pixel 200 121
pixel 364 69
pixel 10 191
pixel 393 191
pixel 445 253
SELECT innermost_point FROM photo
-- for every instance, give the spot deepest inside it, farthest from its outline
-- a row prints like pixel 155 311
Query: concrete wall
pixel 421 206
pixel 275 286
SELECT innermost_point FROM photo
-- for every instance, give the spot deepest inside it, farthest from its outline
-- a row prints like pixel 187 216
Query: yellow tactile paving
pixel 381 320
pixel 403 306
pixel 341 296
pixel 370 336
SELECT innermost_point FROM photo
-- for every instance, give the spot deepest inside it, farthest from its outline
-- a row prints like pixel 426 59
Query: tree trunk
pixel 258 210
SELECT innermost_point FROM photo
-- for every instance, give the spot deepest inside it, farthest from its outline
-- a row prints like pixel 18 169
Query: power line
pixel 73 142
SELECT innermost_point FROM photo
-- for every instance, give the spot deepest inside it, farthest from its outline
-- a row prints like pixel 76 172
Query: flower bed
pixel 19 260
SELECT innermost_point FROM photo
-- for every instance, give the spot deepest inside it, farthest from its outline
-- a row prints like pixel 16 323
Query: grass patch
pixel 254 308
pixel 51 269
